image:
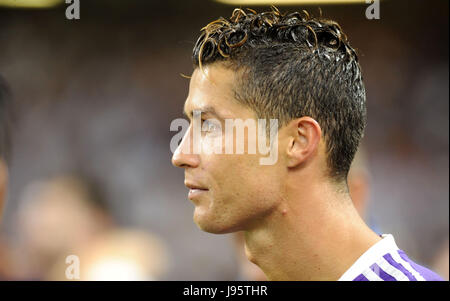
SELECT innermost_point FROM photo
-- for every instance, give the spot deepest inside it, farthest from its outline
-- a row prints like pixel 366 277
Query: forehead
pixel 211 89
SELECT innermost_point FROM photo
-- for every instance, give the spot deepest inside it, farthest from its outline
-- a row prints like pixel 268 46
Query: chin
pixel 211 224
pixel 212 229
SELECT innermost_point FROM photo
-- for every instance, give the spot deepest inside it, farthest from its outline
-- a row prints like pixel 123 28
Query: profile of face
pixel 229 191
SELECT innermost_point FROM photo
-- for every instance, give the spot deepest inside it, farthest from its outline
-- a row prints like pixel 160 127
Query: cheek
pixel 240 177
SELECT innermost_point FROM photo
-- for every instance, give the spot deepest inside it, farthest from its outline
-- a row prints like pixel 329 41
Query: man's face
pixel 229 191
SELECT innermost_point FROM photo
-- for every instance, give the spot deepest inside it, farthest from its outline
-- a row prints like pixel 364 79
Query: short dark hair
pixel 293 65
pixel 5 120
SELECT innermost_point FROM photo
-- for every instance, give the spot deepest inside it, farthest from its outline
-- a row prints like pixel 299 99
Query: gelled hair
pixel 292 65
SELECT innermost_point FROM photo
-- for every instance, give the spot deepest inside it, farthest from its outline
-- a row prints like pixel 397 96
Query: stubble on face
pixel 240 190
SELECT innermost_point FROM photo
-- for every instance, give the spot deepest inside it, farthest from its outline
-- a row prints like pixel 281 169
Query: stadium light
pixel 30 3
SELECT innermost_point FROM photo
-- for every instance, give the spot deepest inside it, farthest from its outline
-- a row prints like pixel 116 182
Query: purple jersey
pixel 384 261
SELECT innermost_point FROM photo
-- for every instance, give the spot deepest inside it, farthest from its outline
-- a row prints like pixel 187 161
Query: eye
pixel 210 126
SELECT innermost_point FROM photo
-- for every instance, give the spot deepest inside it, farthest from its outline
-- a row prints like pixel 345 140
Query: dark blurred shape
pixel 5 138
pixel 5 119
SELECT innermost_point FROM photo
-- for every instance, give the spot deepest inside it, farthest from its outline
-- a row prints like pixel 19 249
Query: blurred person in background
pixel 5 139
pixel 440 262
pixel 56 216
pixel 67 215
pixel 5 259
pixel 5 144
pixel 122 254
pixel 359 183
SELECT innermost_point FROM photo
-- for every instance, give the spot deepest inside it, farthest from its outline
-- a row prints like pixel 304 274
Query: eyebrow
pixel 206 110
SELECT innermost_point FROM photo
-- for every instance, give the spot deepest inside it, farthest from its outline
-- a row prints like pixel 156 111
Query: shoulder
pixel 425 273
pixel 386 262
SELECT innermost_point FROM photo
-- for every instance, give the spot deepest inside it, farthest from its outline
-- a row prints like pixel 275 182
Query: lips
pixel 194 186
pixel 195 190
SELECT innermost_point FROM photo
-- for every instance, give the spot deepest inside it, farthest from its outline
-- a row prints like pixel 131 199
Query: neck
pixel 310 236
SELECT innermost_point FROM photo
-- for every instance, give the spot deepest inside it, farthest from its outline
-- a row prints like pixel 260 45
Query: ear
pixel 3 184
pixel 304 140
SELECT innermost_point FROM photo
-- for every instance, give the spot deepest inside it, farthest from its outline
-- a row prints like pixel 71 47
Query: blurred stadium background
pixel 95 98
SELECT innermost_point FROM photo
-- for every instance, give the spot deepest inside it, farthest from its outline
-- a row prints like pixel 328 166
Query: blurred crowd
pixel 65 216
pixel 90 172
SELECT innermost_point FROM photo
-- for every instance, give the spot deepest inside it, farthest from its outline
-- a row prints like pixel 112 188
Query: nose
pixel 184 156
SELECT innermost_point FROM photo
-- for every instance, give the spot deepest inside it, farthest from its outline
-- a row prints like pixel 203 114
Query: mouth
pixel 195 190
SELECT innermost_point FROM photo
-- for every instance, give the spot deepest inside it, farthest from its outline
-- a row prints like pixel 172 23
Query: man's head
pixel 5 128
pixel 294 68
